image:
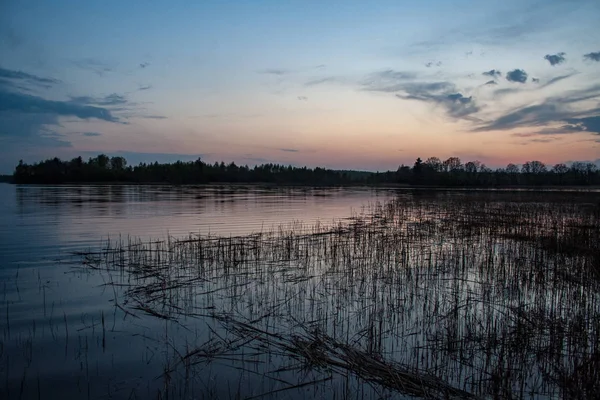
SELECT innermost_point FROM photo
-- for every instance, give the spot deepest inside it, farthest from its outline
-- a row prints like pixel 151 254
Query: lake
pixel 258 292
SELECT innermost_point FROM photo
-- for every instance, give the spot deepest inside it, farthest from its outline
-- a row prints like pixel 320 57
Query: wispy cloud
pixel 594 56
pixel 517 75
pixel 389 81
pixel 29 120
pixel 554 80
pixel 7 74
pixel 443 94
pixel 555 115
pixel 302 98
pixel 320 81
pixel 28 104
pixel 275 71
pixel 113 99
pixel 290 150
pixel 91 64
pixel 91 134
pixel 154 116
pixel 555 59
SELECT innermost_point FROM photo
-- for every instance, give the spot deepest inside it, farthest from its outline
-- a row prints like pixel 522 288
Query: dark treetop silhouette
pixel 431 172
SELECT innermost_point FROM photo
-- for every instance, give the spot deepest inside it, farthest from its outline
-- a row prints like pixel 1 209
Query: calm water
pixel 61 335
pixel 49 314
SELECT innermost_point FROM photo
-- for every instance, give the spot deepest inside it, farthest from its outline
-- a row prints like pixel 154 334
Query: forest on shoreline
pixel 431 172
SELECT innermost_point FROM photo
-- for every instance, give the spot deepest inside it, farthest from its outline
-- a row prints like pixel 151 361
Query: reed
pixel 428 298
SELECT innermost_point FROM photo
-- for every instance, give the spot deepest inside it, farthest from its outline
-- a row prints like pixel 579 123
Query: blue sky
pixel 339 84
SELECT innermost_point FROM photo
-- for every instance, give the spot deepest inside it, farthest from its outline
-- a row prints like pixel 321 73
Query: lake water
pixel 122 323
pixel 42 225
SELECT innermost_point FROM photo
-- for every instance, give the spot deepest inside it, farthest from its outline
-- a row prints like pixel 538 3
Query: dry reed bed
pixel 419 297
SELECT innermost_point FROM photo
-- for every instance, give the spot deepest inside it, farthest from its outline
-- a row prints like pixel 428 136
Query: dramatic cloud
pixel 517 75
pixel 493 73
pixel 555 59
pixel 594 56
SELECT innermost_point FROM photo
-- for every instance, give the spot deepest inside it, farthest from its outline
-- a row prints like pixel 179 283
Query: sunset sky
pixel 341 84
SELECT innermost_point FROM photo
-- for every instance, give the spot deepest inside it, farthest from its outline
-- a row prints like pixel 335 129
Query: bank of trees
pixel 115 169
pixel 431 172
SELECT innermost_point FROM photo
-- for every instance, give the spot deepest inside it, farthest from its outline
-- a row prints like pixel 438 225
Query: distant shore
pixel 515 188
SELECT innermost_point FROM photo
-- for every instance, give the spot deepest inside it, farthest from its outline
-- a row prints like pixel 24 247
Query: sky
pixel 340 84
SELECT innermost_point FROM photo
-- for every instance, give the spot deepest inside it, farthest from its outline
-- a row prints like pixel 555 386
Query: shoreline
pixel 541 188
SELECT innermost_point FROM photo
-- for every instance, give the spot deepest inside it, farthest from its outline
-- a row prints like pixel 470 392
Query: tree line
pixel 431 172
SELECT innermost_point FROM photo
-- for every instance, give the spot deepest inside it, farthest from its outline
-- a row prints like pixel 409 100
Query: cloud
pixel 96 66
pixel 320 81
pixel 290 150
pixel 589 124
pixel 556 115
pixel 147 87
pixel 113 99
pixel 29 129
pixel 443 94
pixel 154 116
pixel 433 63
pixel 555 59
pixel 28 121
pixel 594 56
pixel 274 71
pixel 527 116
pixel 492 72
pixel 302 98
pixel 388 81
pixel 91 134
pixel 517 75
pixel 403 85
pixel 535 80
pixel 144 65
pixel 28 104
pixel 491 83
pixel 7 74
pixel 554 80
